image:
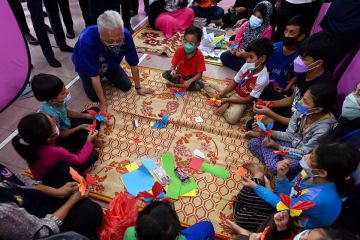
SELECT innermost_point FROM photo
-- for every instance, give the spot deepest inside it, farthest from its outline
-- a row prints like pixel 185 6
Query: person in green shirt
pixel 158 221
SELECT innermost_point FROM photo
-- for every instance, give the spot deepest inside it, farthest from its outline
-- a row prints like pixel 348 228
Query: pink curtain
pixel 323 10
pixel 14 57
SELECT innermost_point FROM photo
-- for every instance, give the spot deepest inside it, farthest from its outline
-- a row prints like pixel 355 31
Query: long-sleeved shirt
pixel 50 155
pixel 327 201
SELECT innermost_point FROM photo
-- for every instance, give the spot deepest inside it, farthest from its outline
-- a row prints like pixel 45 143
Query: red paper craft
pixel 296 209
pixel 196 163
pixel 181 81
pixel 162 113
pixel 281 152
pixel 90 180
pixel 92 127
pixel 92 112
pixel 176 90
pixel 105 114
pixel 213 101
pixel 262 103
pixel 241 172
pixel 156 190
pixel 137 139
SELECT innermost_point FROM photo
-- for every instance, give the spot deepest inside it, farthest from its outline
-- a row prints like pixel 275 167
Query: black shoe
pixel 70 34
pixel 31 39
pixel 133 13
pixel 49 29
pixel 53 62
pixel 66 48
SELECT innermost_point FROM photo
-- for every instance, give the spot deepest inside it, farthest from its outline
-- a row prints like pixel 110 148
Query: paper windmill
pixel 83 183
pixel 233 45
pixel 213 101
pixel 157 193
pixel 101 116
pixel 296 209
pixel 162 123
pixel 178 92
pixel 265 129
pixel 262 103
pixel 288 153
pixel 258 117
pixel 92 127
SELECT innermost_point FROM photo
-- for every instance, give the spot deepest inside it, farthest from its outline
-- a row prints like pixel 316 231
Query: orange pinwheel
pixel 83 183
pixel 213 101
pixel 296 209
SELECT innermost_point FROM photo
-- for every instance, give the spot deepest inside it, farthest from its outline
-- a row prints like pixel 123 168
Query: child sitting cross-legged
pixel 73 126
pixel 188 63
pixel 248 83
pixel 309 122
pixel 36 143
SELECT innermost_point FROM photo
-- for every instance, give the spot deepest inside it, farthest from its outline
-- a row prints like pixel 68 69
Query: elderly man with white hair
pixel 98 53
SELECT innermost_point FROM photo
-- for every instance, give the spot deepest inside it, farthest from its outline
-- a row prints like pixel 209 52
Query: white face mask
pixel 250 66
pixel 306 168
pixel 57 131
pixel 297 237
pixel 351 108
pixel 68 98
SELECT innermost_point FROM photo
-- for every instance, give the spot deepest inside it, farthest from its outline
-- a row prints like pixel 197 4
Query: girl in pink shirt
pixel 36 144
pixel 258 26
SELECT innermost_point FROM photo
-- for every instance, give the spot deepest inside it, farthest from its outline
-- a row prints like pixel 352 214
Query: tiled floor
pixel 10 117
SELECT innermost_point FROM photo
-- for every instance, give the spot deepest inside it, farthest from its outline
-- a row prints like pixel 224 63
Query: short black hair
pixel 320 46
pixel 260 47
pixel 46 86
pixel 302 22
pixel 157 221
pixel 194 31
pixel 324 94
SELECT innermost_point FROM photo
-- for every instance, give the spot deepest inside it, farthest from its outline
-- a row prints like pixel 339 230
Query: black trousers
pixel 288 10
pixel 85 10
pixel 18 11
pixel 37 18
pixel 98 7
pixel 66 14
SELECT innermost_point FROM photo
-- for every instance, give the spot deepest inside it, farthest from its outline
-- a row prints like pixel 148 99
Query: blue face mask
pixel 297 237
pixel 301 108
pixel 351 108
pixel 255 22
pixel 115 49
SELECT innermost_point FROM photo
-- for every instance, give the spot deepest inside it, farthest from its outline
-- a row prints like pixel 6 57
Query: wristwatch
pixel 137 88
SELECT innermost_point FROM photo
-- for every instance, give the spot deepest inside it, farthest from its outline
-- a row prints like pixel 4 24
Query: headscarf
pixel 251 34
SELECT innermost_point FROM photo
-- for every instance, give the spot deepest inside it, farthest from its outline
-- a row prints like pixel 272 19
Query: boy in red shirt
pixel 188 63
pixel 248 83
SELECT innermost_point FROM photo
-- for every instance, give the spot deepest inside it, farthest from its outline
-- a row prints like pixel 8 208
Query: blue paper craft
pixel 100 118
pixel 138 181
pixel 265 128
pixel 149 164
pixel 235 46
pixel 160 196
pixel 162 123
pixel 295 155
pixel 179 94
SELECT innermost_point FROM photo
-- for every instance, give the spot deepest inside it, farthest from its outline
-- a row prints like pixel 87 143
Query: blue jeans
pixel 118 77
pixel 231 61
pixel 199 231
pixel 210 13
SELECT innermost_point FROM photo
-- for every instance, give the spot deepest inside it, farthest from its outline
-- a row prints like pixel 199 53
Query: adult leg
pixel 96 8
pixel 231 61
pixel 84 218
pixel 134 7
pixel 250 211
pixel 67 18
pixel 85 10
pixel 54 17
pixel 19 15
pixel 125 13
pixel 120 79
pixel 199 231
pixel 88 88
pixel 146 6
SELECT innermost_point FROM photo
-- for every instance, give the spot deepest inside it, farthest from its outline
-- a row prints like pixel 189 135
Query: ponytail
pixel 26 151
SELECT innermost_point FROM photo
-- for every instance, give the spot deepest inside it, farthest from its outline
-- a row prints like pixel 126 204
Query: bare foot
pixel 220 111
pixel 234 228
pixel 255 170
pixel 252 134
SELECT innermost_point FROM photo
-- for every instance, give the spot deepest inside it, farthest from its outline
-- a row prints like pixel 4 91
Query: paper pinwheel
pixel 178 92
pixel 83 183
pixel 296 209
pixel 92 127
pixel 288 153
pixel 157 193
pixel 101 116
pixel 265 129
pixel 233 45
pixel 162 123
pixel 258 117
pixel 262 103
pixel 213 101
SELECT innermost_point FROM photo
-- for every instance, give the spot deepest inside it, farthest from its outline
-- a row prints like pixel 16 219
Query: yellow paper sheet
pixel 132 166
pixel 192 193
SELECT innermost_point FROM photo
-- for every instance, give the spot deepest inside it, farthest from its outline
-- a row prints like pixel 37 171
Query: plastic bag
pixel 121 214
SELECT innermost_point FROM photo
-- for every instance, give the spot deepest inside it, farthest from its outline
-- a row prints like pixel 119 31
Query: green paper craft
pixel 215 170
pixel 176 187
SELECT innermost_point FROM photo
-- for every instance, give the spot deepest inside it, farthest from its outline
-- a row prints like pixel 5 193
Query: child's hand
pixel 262 110
pixel 187 84
pixel 66 190
pixel 269 143
pixel 282 168
pixel 173 73
pixel 92 136
pixel 247 182
pixel 252 134
pixel 240 53
pixel 88 116
pixel 281 220
pixel 83 126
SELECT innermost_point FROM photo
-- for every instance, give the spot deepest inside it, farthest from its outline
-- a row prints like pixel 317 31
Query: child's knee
pixel 254 143
pixel 231 118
